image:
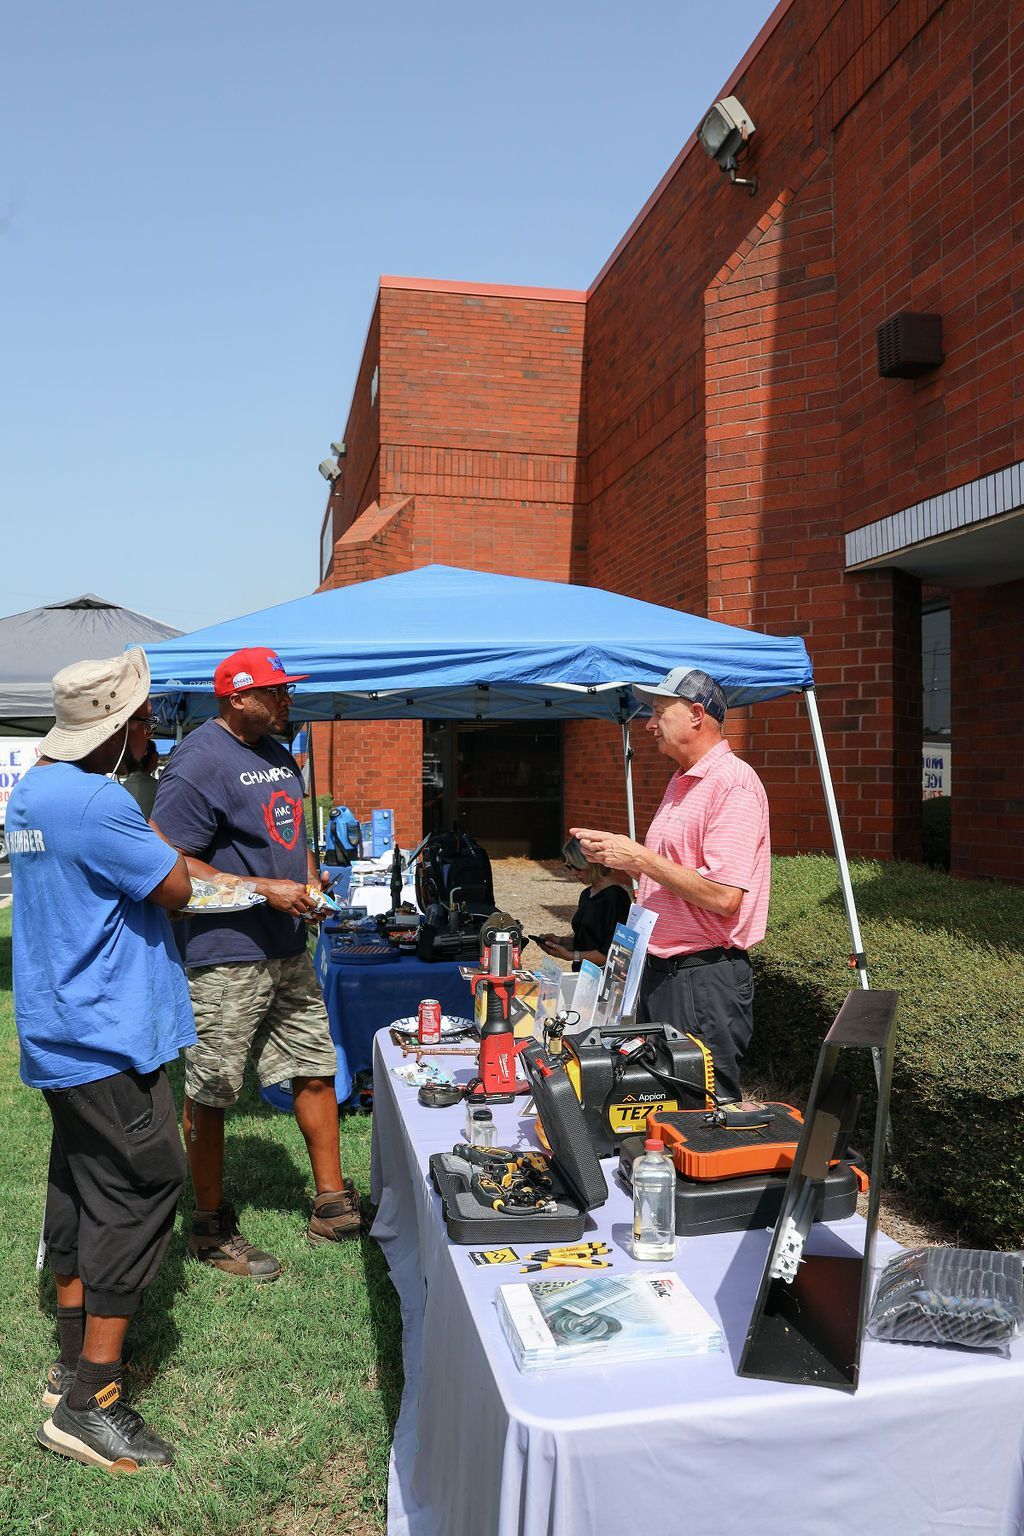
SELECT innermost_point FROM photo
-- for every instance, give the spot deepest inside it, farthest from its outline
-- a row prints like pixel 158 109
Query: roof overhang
pixel 971 536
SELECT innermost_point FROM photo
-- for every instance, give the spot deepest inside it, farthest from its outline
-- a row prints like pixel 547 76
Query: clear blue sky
pixel 196 200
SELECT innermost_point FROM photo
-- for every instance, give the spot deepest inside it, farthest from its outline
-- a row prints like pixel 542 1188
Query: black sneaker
pixel 215 1239
pixel 105 1434
pixel 60 1378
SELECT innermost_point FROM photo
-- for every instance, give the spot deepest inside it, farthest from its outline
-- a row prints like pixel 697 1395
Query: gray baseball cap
pixel 687 683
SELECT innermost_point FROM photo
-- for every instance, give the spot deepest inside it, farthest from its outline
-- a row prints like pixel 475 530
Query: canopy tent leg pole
pixel 313 813
pixel 627 757
pixel 858 959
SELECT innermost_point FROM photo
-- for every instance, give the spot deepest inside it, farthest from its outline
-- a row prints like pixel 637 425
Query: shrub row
pixel 952 950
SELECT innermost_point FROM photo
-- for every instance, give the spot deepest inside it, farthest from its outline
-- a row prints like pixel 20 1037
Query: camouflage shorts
pixel 272 1010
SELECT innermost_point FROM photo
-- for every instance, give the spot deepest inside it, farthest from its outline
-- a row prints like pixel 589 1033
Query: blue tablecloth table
pixel 361 999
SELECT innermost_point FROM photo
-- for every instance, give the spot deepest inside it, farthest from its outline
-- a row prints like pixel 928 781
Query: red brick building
pixel 707 427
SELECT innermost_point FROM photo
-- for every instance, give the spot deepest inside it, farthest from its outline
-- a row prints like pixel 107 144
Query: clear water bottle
pixel 481 1130
pixel 654 1203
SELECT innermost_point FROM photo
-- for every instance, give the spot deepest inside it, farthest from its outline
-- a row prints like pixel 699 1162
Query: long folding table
pixel 931 1442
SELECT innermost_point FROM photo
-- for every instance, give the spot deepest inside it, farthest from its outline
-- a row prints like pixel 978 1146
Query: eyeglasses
pixel 279 690
pixel 147 723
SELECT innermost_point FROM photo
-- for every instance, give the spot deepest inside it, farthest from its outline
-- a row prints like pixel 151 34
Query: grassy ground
pixel 280 1399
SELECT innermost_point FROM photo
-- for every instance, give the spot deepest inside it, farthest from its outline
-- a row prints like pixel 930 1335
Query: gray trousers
pixel 715 1002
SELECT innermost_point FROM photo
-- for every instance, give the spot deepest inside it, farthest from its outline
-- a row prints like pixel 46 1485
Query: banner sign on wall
pixel 936 763
pixel 17 754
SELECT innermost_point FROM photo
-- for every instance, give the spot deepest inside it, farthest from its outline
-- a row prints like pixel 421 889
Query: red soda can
pixel 429 1021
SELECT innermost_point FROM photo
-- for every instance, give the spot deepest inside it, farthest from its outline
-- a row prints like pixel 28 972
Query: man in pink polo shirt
pixel 704 868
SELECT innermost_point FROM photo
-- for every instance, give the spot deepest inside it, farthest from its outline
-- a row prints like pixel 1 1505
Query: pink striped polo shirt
pixel 713 818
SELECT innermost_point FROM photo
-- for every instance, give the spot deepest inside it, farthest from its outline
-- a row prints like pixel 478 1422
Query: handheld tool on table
pixel 494 985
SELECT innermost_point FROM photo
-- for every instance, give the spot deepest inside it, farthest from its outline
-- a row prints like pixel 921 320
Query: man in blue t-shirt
pixel 231 800
pixel 101 1004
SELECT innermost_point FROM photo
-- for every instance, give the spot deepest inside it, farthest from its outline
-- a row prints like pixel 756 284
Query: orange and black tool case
pixel 733 1178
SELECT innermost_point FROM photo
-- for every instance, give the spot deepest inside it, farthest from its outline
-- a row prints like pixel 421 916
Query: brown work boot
pixel 336 1214
pixel 215 1239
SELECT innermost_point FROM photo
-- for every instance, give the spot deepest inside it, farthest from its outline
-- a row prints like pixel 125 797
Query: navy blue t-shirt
pixel 239 808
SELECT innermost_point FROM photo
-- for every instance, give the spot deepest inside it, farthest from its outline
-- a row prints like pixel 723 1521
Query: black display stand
pixel 808 1320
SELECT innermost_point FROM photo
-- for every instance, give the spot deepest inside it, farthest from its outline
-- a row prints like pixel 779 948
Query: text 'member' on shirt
pixel 714 819
pixel 239 808
pixel 98 985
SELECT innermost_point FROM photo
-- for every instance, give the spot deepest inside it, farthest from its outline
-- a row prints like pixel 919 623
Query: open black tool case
pixel 579 1184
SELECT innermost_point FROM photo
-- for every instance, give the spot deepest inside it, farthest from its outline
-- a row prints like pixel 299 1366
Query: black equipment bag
pixel 453 867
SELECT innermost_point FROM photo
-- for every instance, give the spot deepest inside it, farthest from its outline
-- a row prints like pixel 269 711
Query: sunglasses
pixel 279 690
pixel 147 723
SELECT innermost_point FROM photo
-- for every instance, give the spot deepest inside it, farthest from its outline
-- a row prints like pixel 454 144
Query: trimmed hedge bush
pixel 952 949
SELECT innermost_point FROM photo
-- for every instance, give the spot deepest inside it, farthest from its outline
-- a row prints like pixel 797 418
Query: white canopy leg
pixel 858 959
pixel 627 757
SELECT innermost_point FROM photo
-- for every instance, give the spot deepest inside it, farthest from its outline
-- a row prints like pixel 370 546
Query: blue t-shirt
pixel 98 986
pixel 238 808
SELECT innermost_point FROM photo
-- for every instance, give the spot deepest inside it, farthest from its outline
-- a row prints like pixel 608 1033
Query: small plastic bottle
pixel 654 1203
pixel 482 1130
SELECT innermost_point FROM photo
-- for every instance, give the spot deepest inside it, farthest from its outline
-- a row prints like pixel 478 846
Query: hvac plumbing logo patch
pixel 283 817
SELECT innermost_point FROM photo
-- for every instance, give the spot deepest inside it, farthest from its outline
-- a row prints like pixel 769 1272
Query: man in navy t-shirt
pixel 101 1003
pixel 231 799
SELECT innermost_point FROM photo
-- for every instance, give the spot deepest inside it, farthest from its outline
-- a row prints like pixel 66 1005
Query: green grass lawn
pixel 280 1399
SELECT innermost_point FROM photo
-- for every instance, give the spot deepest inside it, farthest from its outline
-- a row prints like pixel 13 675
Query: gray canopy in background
pixel 36 644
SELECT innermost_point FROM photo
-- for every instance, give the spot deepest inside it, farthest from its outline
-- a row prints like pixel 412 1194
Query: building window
pixel 935 672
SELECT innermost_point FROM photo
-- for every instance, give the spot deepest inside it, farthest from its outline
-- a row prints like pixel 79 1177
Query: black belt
pixel 670 964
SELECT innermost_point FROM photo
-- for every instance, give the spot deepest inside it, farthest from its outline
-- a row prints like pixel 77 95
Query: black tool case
pixel 579 1183
pixel 617 1099
pixel 742 1204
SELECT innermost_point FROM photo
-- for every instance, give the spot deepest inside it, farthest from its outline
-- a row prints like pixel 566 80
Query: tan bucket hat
pixel 92 700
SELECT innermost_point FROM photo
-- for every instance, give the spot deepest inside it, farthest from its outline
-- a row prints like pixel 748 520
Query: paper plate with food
pixel 217 898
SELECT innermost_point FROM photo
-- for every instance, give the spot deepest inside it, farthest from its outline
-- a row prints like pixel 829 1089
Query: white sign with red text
pixel 17 754
pixel 936 767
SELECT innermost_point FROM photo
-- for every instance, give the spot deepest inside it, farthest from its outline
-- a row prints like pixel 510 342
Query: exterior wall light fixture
pixel 725 136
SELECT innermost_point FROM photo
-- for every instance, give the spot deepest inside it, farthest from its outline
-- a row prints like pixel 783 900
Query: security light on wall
pixel 339 450
pixel 725 136
pixel 330 470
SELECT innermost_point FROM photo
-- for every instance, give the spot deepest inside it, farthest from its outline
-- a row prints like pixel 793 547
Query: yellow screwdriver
pixel 526 1269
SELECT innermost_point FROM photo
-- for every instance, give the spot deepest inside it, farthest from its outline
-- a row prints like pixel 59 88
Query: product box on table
pixel 578 1184
pixel 382 832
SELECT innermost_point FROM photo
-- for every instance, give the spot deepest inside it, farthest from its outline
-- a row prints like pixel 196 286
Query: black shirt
pixel 593 922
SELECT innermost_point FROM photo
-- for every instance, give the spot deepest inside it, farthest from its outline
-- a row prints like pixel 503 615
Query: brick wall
pixel 708 426
pixel 373 764
pixel 359 484
pixel 733 442
pixel 929 190
pixel 480 402
pixel 468 457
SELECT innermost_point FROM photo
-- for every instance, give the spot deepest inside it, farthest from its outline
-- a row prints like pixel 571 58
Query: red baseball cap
pixel 253 667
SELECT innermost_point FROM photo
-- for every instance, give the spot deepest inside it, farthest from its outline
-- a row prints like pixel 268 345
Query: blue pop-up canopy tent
pixel 443 643
pixel 447 643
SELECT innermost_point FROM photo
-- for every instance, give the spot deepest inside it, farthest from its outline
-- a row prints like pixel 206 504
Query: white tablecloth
pixel 931 1443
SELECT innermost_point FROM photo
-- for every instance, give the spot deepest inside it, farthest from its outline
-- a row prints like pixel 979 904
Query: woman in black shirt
pixel 603 903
